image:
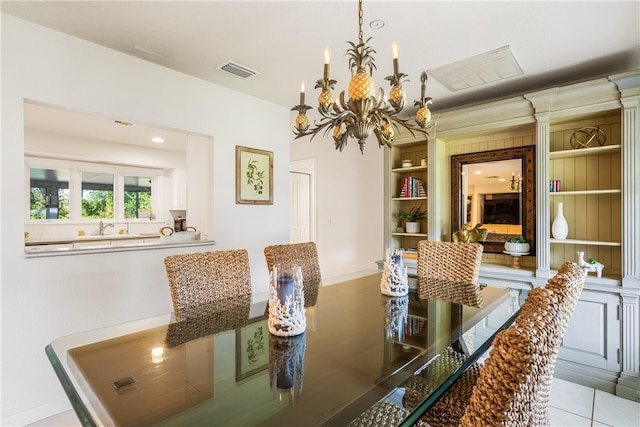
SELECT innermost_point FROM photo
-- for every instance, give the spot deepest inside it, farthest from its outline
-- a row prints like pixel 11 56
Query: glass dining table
pixel 219 365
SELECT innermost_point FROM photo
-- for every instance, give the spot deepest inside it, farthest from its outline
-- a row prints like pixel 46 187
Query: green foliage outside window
pixel 97 204
pixel 38 204
pixel 134 202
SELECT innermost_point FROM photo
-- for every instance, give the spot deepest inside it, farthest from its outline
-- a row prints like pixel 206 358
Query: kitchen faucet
pixel 103 226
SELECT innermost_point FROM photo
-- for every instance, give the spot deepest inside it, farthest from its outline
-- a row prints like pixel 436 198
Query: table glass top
pixel 219 363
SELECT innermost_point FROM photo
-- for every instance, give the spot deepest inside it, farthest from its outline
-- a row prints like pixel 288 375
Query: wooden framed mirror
pixel 496 188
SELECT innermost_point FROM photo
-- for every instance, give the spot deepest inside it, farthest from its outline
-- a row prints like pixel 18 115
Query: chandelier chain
pixel 360 34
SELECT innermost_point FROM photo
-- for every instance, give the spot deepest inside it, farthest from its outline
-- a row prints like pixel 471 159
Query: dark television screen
pixel 501 208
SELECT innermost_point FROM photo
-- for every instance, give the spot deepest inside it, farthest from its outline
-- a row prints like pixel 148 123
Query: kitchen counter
pixel 99 244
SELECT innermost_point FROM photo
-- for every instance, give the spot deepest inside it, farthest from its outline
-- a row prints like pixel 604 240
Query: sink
pixel 111 237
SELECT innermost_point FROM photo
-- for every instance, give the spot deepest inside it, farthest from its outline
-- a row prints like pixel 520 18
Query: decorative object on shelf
pixel 470 235
pixel 517 245
pixel 516 184
pixel 583 137
pixel 286 302
pixel 413 187
pixel 286 367
pixel 590 265
pixel 399 229
pixel 395 282
pixel 560 227
pixel 407 164
pixel 395 317
pixel 413 218
pixel 423 161
pixel 364 112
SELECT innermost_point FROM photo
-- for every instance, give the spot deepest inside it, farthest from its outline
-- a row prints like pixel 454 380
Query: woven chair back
pixel 458 261
pixel 514 385
pixel 304 255
pixel 203 278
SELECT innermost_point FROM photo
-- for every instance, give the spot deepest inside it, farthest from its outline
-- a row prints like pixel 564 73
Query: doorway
pixel 302 207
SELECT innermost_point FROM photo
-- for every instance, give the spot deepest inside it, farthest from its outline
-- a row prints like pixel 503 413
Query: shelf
pixel 594 151
pixel 583 192
pixel 584 242
pixel 410 234
pixel 411 169
pixel 402 199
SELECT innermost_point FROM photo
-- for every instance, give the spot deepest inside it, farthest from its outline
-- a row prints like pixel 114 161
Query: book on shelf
pixel 413 187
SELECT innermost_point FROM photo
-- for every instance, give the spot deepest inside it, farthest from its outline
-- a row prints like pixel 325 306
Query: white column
pixel 629 381
pixel 541 102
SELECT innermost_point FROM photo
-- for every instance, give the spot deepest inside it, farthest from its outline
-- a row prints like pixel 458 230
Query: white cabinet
pixel 593 335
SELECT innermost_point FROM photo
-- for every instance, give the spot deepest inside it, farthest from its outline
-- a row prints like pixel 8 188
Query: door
pixel 300 207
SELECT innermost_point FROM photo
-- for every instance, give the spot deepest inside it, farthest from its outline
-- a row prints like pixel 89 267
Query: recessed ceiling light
pixel 478 172
pixel 157 139
pixel 120 122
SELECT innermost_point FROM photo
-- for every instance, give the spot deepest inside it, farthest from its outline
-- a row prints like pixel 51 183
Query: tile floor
pixel 572 405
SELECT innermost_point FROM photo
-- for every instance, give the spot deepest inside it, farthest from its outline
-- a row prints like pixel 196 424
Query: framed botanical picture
pixel 254 176
pixel 252 348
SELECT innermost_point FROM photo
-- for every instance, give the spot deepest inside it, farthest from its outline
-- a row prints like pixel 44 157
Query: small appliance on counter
pixel 179 220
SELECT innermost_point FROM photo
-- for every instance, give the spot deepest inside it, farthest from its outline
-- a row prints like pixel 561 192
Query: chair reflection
pixel 465 293
pixel 209 319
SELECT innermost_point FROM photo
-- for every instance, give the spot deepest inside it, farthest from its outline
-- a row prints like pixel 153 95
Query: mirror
pixel 496 188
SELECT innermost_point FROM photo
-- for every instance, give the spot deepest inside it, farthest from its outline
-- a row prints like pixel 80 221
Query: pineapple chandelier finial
pixel 364 111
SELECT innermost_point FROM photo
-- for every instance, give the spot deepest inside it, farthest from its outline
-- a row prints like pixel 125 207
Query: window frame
pixel 75 169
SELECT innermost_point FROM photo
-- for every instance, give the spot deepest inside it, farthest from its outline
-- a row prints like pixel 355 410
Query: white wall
pixel 45 298
pixel 349 201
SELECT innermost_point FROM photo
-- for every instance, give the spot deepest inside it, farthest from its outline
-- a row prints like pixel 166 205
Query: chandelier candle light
pixel 364 111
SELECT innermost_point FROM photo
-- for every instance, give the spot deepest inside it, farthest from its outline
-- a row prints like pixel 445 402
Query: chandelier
pixel 366 110
pixel 516 183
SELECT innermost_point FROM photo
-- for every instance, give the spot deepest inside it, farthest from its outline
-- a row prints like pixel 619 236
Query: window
pixel 76 191
pixel 97 195
pixel 49 197
pixel 137 197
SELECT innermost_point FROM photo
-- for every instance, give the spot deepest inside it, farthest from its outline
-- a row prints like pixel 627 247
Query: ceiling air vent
pixel 237 69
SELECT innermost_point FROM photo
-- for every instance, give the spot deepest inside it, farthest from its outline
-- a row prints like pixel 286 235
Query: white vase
pixel 560 228
pixel 413 227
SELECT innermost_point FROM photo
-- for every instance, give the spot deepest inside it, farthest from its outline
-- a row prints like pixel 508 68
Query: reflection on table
pixel 360 350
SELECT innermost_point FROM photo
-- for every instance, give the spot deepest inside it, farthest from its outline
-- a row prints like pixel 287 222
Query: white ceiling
pixel 554 42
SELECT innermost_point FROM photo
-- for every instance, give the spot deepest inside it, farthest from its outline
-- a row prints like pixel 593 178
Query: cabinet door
pixel 593 335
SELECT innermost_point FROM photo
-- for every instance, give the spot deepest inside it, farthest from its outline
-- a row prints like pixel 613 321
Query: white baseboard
pixel 349 276
pixel 36 414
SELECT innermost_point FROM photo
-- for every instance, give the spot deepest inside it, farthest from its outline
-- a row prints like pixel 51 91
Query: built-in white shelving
pixel 404 199
pixel 592 151
pixel 584 242
pixel 585 192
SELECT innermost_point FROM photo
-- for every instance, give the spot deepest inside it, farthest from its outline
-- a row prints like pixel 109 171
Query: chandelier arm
pixel 411 128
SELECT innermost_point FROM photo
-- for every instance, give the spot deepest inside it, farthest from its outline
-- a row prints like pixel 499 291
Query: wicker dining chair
pixel 513 386
pixel 449 260
pixel 304 255
pixel 203 278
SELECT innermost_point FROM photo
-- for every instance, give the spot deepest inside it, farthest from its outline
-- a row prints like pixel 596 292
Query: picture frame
pixel 254 176
pixel 252 348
